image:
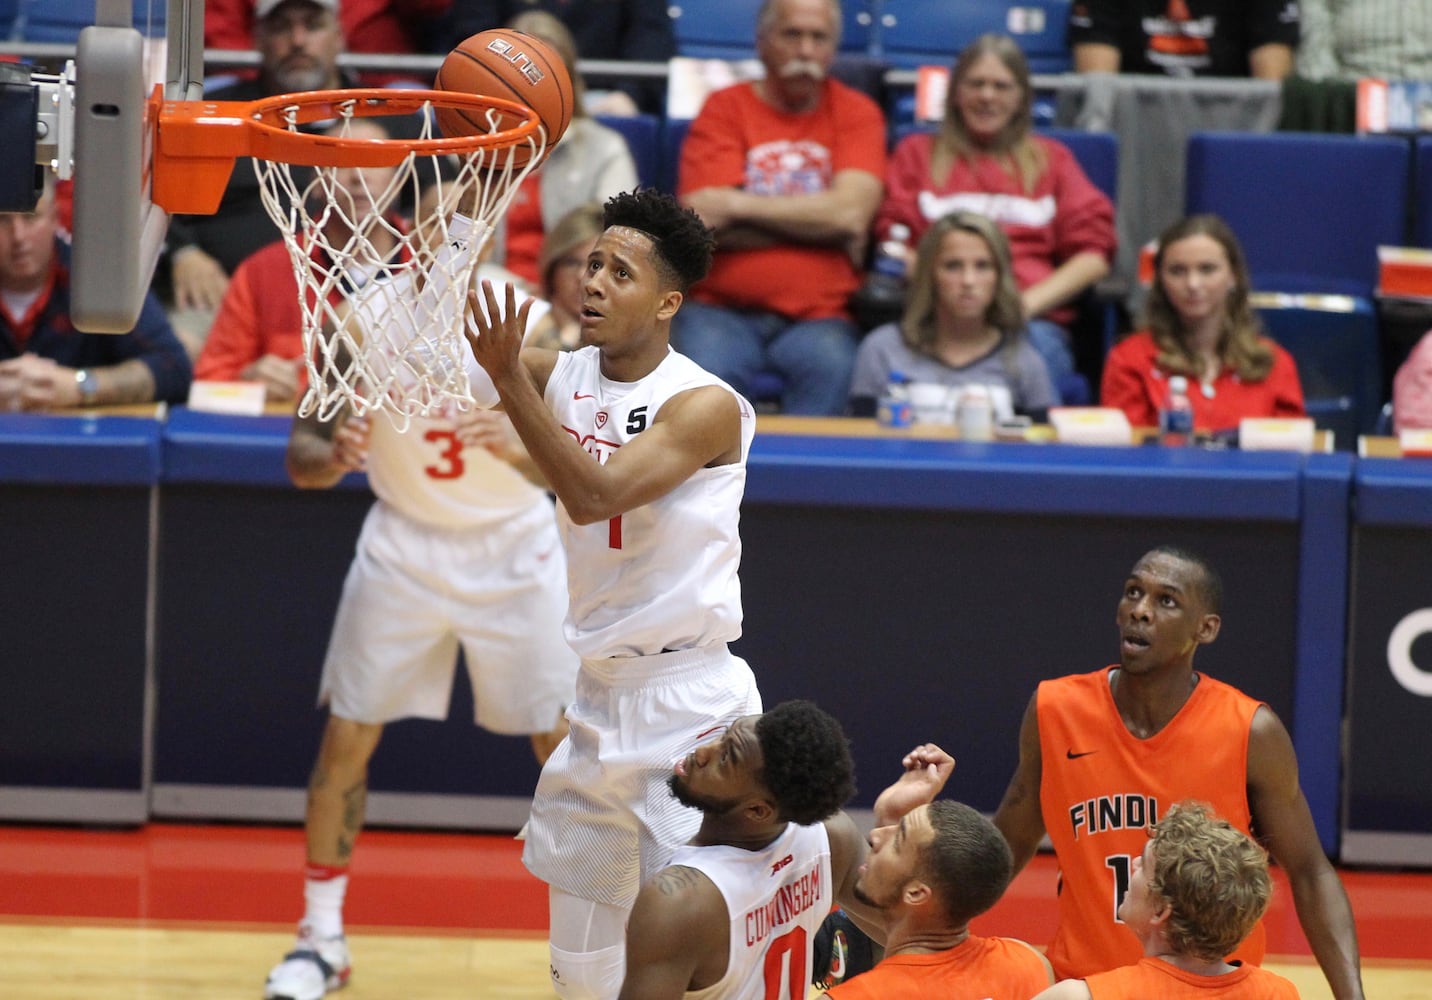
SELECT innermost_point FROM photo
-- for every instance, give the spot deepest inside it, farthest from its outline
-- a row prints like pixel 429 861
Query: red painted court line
pixel 440 883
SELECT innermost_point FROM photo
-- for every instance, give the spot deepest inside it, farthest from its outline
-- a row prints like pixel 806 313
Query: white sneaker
pixel 309 971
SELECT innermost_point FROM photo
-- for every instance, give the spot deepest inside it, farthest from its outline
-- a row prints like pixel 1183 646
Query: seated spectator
pixel 962 325
pixel 1412 389
pixel 944 865
pixel 610 30
pixel 1193 896
pixel 257 335
pixel 986 159
pixel 1351 39
pixel 591 164
pixel 1200 324
pixel 376 27
pixel 48 364
pixel 1185 38
pixel 563 267
pixel 298 43
pixel 786 170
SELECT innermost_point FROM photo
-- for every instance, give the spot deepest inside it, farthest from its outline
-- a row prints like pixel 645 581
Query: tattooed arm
pixel 678 936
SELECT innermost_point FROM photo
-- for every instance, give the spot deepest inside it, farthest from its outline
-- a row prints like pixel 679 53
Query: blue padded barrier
pixel 1422 194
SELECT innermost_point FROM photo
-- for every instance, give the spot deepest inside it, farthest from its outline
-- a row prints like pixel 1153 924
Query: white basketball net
pixel 384 301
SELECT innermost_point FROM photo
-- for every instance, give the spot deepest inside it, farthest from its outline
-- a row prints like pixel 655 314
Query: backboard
pixel 91 122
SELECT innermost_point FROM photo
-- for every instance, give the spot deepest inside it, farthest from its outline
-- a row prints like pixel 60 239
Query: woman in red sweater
pixel 1200 325
pixel 986 159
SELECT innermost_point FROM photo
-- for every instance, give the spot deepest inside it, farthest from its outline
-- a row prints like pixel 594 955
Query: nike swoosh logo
pixel 582 395
pixel 1075 756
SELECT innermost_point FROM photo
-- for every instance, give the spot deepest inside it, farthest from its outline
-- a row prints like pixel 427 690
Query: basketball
pixel 514 66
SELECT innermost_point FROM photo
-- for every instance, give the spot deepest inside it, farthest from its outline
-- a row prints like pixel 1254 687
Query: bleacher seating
pixel 643 137
pixel 912 33
pixel 1311 211
pixel 60 21
pixel 708 29
pixel 1422 194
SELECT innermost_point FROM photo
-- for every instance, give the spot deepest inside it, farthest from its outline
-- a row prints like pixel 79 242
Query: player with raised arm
pixel 646 453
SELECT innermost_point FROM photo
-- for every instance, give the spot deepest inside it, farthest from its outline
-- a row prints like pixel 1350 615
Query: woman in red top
pixel 1200 324
pixel 985 158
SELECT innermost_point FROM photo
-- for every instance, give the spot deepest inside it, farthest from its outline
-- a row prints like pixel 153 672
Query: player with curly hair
pixel 1198 889
pixel 739 906
pixel 646 453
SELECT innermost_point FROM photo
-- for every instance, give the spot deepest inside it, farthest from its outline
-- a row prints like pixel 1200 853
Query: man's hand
pixel 490 429
pixel 497 340
pixel 350 444
pixel 279 376
pixel 927 768
pixel 199 280
pixel 31 382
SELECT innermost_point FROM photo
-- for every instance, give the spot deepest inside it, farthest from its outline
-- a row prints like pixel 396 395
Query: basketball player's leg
pixel 587 943
pixel 390 657
pixel 523 673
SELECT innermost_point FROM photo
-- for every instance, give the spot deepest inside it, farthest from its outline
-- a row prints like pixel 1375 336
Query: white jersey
pixel 428 474
pixel 777 899
pixel 662 576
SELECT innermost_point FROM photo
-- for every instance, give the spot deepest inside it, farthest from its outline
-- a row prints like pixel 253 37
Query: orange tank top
pixel 1102 788
pixel 1155 978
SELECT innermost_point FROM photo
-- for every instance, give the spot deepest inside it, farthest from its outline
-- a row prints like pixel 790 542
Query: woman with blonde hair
pixel 986 159
pixel 1200 325
pixel 590 164
pixel 963 324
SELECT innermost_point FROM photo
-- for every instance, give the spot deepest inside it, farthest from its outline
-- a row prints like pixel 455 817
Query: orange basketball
pixel 512 65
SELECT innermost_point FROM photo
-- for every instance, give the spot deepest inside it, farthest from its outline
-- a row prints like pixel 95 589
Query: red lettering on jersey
pixel 782 863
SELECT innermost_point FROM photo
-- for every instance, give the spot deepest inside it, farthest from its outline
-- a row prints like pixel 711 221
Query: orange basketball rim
pixel 197 142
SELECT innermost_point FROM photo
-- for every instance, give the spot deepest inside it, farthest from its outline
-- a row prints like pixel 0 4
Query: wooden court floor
pixel 200 913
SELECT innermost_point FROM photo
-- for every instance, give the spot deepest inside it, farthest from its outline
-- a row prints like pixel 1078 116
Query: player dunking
pixel 458 549
pixel 646 453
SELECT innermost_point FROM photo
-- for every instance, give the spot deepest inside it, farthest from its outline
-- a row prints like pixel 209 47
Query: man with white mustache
pixel 788 171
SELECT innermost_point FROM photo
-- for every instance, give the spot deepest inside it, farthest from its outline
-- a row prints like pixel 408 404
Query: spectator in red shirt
pixel 787 171
pixel 1200 325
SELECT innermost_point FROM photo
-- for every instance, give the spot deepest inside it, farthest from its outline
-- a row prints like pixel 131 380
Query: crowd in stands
pixel 801 176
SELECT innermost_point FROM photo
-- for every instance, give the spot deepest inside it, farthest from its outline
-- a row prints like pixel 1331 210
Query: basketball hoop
pixel 384 305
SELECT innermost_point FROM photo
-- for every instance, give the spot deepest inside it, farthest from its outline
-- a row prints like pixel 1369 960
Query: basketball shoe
pixel 314 967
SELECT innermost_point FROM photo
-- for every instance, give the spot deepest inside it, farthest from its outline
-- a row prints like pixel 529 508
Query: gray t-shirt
pixel 883 351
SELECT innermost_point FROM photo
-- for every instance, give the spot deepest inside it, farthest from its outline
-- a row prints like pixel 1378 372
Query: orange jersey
pixel 1102 788
pixel 1153 977
pixel 977 968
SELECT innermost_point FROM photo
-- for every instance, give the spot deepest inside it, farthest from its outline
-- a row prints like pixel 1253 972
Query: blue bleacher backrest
pixel 1097 153
pixel 59 22
pixel 1310 209
pixel 643 137
pixel 932 32
pixel 1422 194
pixel 673 133
pixel 715 29
pixel 1336 343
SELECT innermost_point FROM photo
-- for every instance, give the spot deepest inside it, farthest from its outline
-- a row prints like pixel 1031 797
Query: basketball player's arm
pixel 679 921
pixel 927 768
pixel 1283 822
pixel 838 216
pixel 1019 816
pixel 694 429
pixel 320 453
pixel 848 850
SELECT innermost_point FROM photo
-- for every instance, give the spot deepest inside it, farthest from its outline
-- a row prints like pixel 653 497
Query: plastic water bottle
pixel 894 408
pixel 892 253
pixel 976 414
pixel 1176 414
